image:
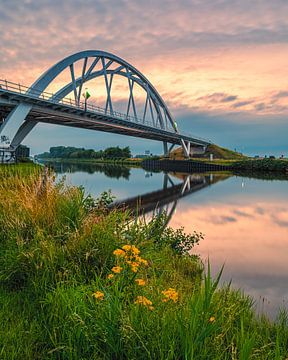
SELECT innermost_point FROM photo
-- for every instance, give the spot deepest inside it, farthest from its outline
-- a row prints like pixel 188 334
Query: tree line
pixel 70 152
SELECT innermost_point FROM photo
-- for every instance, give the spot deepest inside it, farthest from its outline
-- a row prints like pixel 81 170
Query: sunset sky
pixel 221 65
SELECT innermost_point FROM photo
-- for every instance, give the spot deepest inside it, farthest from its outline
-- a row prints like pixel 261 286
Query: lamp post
pixel 86 96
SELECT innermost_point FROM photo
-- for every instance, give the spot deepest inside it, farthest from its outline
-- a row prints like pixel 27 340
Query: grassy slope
pixel 217 151
pixel 57 250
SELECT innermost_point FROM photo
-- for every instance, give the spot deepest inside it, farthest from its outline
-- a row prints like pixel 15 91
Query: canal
pixel 244 220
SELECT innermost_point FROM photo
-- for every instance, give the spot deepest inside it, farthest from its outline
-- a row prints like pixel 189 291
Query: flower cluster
pixel 128 258
pixel 142 300
pixel 140 282
pixel 170 294
pixel 116 269
pixel 130 255
pixel 98 295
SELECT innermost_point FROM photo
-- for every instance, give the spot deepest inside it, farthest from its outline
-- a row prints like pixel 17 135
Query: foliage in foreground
pixel 78 282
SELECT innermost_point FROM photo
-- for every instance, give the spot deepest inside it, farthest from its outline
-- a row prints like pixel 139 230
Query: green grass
pixel 265 165
pixel 21 170
pixel 223 153
pixel 218 153
pixel 57 250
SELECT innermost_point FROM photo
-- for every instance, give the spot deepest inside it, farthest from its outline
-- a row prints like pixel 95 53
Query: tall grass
pixel 61 299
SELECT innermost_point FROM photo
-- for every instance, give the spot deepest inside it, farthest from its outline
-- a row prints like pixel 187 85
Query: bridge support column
pixel 171 148
pixel 165 148
pixel 22 132
pixel 15 119
pixel 186 148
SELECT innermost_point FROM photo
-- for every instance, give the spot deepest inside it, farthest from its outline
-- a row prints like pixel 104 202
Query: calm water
pixel 245 221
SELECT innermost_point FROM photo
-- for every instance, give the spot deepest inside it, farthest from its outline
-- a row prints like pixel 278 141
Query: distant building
pixel 141 156
pixel 22 152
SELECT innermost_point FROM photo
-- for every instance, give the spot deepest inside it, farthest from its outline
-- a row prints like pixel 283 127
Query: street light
pixel 86 96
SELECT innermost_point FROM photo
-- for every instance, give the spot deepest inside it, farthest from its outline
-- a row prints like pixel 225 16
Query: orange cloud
pixel 190 51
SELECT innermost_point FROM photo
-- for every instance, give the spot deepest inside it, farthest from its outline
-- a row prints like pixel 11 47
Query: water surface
pixel 245 220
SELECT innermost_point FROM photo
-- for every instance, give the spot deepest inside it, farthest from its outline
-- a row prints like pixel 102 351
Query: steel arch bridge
pixel 21 108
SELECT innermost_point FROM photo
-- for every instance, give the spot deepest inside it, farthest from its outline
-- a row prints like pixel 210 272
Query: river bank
pixel 79 282
pixel 263 166
pixel 194 164
pixel 117 161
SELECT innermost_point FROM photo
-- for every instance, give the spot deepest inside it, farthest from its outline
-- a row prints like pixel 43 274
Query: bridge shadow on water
pixel 165 200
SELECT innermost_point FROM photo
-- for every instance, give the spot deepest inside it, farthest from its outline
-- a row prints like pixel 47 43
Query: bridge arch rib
pixel 154 104
pixel 153 98
pixel 95 64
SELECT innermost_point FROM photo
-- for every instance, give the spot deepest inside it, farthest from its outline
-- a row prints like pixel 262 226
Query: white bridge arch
pixel 95 64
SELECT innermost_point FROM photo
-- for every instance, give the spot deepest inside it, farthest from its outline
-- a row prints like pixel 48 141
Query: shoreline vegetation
pixel 115 155
pixel 80 282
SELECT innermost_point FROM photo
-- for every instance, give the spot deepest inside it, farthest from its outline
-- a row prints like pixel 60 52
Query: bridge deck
pixel 46 110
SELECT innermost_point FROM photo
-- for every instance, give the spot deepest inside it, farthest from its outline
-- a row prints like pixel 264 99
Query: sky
pixel 220 65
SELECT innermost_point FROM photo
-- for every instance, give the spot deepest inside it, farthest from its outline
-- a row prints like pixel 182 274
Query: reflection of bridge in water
pixel 165 200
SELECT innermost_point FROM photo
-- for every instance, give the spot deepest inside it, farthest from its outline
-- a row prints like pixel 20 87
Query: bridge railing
pixel 50 97
pixel 189 134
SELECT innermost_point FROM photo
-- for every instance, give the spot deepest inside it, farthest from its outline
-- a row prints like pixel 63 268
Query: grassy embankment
pixel 235 160
pixel 221 156
pixel 66 292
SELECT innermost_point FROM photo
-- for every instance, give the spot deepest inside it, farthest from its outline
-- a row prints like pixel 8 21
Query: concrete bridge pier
pixel 186 146
pixel 198 150
pixel 189 150
pixel 165 148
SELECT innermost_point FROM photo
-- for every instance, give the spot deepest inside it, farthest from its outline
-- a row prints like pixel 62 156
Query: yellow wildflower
pixel 116 269
pixel 141 261
pixel 131 248
pixel 142 300
pixel 119 252
pixel 212 319
pixel 110 276
pixel 126 247
pixel 98 295
pixel 135 250
pixel 134 263
pixel 170 294
pixel 140 282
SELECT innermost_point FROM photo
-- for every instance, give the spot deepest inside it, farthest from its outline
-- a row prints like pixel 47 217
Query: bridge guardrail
pixel 47 96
